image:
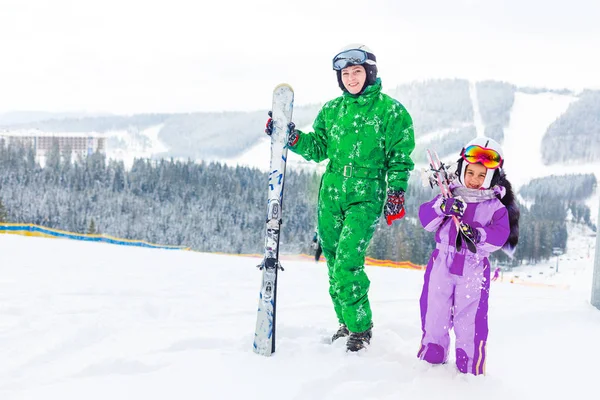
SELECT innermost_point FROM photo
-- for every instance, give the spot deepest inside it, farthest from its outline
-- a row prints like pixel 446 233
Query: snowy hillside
pixel 530 117
pixel 258 156
pixel 97 321
pixel 126 146
pixel 121 144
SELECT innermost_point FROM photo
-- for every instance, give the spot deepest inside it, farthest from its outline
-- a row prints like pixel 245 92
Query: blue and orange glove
pixel 293 135
pixel 394 206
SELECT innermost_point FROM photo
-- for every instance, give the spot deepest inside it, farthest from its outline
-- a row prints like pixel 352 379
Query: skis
pixel 442 179
pixel 264 336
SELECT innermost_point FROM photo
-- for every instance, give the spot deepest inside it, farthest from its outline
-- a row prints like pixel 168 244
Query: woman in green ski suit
pixel 366 135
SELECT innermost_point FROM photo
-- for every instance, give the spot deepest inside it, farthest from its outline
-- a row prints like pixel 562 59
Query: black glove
pixel 453 206
pixel 470 233
pixel 394 207
pixel 293 135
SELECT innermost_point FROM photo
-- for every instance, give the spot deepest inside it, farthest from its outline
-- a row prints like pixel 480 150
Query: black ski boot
pixel 341 332
pixel 359 340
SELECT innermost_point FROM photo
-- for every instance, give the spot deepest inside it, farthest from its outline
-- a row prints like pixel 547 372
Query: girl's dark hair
pixel 512 207
pixel 509 201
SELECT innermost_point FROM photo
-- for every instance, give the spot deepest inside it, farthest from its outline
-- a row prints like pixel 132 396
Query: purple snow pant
pixel 455 294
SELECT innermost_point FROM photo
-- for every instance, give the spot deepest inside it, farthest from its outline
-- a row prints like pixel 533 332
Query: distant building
pixel 81 143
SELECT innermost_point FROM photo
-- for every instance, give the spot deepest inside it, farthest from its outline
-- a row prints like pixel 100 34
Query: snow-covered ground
pixel 92 321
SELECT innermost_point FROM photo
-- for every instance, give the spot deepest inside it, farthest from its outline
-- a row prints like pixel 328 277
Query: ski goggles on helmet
pixel 349 57
pixel 490 158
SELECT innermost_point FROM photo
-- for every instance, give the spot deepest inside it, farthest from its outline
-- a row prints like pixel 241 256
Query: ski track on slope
pixel 478 121
pixel 529 120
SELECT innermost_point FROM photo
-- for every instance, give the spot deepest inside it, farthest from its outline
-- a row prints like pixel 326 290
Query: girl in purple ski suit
pixel 457 281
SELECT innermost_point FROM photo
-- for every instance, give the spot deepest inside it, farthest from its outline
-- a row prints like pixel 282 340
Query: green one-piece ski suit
pixel 365 137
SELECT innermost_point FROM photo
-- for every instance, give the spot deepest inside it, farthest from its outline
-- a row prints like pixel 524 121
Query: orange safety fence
pixel 368 261
pixel 41 231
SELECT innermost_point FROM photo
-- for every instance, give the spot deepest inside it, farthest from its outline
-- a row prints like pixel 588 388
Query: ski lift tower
pixel 596 279
pixel 557 251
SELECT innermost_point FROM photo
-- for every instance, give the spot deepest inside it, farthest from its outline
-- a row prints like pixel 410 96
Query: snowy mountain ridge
pixel 530 117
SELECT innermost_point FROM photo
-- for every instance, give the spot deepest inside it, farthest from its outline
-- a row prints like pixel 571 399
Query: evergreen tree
pixel 92 228
pixel 216 208
pixel 3 213
pixel 53 157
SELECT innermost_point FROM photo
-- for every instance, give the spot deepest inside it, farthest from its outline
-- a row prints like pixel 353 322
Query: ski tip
pixel 284 85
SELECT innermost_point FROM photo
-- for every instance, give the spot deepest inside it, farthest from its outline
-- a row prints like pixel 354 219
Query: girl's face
pixel 475 175
pixel 353 78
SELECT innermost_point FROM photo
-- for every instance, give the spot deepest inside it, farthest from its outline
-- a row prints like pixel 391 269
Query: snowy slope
pixel 129 145
pixel 529 120
pixel 530 117
pixel 97 321
pixel 258 156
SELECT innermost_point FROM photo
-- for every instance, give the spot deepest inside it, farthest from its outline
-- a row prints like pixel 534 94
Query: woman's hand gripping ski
pixel 293 135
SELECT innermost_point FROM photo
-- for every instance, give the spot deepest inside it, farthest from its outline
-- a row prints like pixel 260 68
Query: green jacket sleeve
pixel 313 145
pixel 400 143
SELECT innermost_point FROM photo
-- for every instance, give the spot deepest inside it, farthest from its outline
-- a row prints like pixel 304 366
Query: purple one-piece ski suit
pixel 456 288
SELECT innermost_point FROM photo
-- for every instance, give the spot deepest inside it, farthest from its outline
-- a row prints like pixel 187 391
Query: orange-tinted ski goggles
pixel 490 158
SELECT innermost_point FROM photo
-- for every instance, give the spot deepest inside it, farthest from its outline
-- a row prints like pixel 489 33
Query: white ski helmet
pixel 345 58
pixel 487 144
pixel 370 60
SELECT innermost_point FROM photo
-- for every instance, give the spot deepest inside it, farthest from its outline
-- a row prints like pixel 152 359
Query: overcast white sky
pixel 131 56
